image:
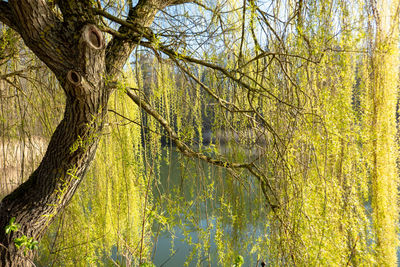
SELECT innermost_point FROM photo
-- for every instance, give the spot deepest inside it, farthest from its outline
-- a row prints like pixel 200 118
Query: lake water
pixel 186 180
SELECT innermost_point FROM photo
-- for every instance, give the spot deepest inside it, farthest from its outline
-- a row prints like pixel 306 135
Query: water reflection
pixel 212 216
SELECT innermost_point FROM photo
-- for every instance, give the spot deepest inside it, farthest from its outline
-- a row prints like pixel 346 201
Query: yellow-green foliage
pixel 383 94
pixel 323 219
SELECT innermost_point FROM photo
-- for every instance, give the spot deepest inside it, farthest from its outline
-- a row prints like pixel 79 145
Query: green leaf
pixel 20 241
pixel 32 244
pixel 8 229
pixel 238 261
pixel 12 227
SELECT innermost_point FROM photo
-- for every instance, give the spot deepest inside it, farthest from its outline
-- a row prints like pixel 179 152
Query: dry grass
pixel 18 158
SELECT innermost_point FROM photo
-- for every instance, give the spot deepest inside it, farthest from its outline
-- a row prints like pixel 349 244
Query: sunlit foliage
pixel 300 95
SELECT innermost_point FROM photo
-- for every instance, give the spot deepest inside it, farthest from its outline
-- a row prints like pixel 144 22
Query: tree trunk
pixel 36 202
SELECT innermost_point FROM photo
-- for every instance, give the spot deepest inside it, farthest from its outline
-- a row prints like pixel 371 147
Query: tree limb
pixel 77 12
pixel 180 2
pixel 139 18
pixel 41 31
pixel 16 73
pixel 185 149
pixel 6 15
pixel 119 50
pixel 137 30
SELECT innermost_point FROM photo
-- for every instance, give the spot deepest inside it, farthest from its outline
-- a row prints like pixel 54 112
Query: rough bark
pixel 74 49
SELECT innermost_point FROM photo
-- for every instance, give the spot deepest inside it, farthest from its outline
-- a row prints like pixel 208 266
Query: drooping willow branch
pixel 229 106
pixel 184 148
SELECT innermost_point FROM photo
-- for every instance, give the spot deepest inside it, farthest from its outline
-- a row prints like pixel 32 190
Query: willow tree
pixel 283 92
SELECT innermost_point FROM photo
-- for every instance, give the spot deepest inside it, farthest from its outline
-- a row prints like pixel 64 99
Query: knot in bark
pixel 93 37
pixel 78 87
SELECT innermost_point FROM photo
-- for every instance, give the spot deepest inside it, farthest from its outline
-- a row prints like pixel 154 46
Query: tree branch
pixel 76 13
pixel 180 2
pixel 139 18
pixel 16 73
pixel 6 15
pixel 119 50
pixel 231 74
pixel 41 31
pixel 185 149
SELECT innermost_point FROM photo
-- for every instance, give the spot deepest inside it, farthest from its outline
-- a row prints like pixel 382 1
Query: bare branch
pixel 180 2
pixel 231 74
pixel 16 73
